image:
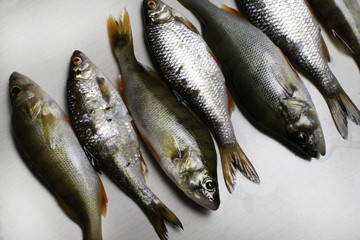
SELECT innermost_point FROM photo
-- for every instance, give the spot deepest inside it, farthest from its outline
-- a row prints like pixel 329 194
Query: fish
pixel 292 27
pixel 178 140
pixel 44 134
pixel 188 66
pixel 267 87
pixel 342 18
pixel 104 128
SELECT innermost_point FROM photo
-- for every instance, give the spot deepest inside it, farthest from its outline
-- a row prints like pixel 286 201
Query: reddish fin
pixel 121 89
pixel 325 50
pixel 104 199
pixel 120 32
pixel 231 102
pixel 234 12
pixel 233 158
pixel 341 108
pixel 158 215
pixel 104 88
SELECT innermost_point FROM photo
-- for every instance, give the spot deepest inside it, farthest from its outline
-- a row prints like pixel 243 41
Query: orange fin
pixel 231 102
pixel 233 158
pixel 104 199
pixel 158 215
pixel 104 88
pixel 234 12
pixel 120 32
pixel 325 50
pixel 121 89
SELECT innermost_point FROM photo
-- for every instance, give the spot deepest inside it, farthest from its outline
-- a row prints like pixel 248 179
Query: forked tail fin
pixel 233 158
pixel 158 214
pixel 341 108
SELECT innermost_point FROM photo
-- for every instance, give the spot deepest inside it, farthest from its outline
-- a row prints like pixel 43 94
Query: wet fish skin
pixel 268 88
pixel 104 127
pixel 44 134
pixel 179 141
pixel 290 24
pixel 342 18
pixel 187 64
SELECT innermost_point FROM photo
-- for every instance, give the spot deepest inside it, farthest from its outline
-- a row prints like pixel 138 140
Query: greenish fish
pixel 44 134
pixel 104 128
pixel 190 69
pixel 267 86
pixel 292 27
pixel 342 18
pixel 181 144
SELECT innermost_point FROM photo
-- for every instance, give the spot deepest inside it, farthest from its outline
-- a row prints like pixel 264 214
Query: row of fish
pixel 169 109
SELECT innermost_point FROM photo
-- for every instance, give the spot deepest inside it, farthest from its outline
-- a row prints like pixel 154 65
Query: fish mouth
pixel 210 202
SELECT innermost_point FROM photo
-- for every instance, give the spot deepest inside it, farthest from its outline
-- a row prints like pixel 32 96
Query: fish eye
pixel 302 138
pixel 151 4
pixel 209 184
pixel 15 91
pixel 76 61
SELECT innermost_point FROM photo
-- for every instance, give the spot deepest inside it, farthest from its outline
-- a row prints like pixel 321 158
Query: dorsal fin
pixel 234 12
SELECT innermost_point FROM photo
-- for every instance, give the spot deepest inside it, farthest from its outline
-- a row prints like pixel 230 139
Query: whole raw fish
pixel 103 127
pixel 267 86
pixel 178 140
pixel 342 18
pixel 290 24
pixel 43 133
pixel 189 67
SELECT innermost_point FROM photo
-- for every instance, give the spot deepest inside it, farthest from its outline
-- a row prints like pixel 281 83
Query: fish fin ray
pixel 234 12
pixel 121 89
pixel 93 160
pixel 104 88
pixel 120 32
pixel 104 199
pixel 231 102
pixel 325 50
pixel 158 215
pixel 233 158
pixel 342 41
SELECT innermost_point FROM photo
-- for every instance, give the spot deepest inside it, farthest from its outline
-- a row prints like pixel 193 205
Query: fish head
pixel 303 127
pixel 155 11
pixel 26 96
pixel 81 68
pixel 203 189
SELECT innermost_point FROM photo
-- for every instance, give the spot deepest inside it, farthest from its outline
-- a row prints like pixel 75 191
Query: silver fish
pixel 189 67
pixel 290 24
pixel 104 127
pixel 266 85
pixel 44 134
pixel 178 140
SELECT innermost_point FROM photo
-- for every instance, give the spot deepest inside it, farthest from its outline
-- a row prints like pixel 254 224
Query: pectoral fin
pixel 104 88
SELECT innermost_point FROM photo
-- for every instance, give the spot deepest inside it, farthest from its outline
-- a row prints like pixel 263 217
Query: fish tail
pixel 341 108
pixel 158 214
pixel 120 34
pixel 233 158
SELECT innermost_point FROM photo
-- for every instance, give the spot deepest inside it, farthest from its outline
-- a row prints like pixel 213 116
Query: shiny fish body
pixel 187 64
pixel 290 24
pixel 266 85
pixel 178 140
pixel 103 126
pixel 45 136
pixel 342 17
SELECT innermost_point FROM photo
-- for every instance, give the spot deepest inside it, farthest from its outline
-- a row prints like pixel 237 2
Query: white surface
pixel 297 199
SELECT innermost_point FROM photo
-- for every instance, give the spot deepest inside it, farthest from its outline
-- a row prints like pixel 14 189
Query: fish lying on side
pixel 43 133
pixel 290 24
pixel 267 86
pixel 178 140
pixel 189 67
pixel 104 128
pixel 342 18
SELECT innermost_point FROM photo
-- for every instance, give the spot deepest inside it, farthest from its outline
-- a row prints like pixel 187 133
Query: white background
pixel 297 199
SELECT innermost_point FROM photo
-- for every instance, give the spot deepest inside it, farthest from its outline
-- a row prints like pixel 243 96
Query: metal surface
pixel 297 199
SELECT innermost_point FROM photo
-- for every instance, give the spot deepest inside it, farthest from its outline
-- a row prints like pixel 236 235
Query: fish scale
pixel 291 26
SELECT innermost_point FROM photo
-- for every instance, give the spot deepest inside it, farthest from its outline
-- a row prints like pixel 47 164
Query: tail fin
pixel 120 32
pixel 157 215
pixel 233 158
pixel 341 108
